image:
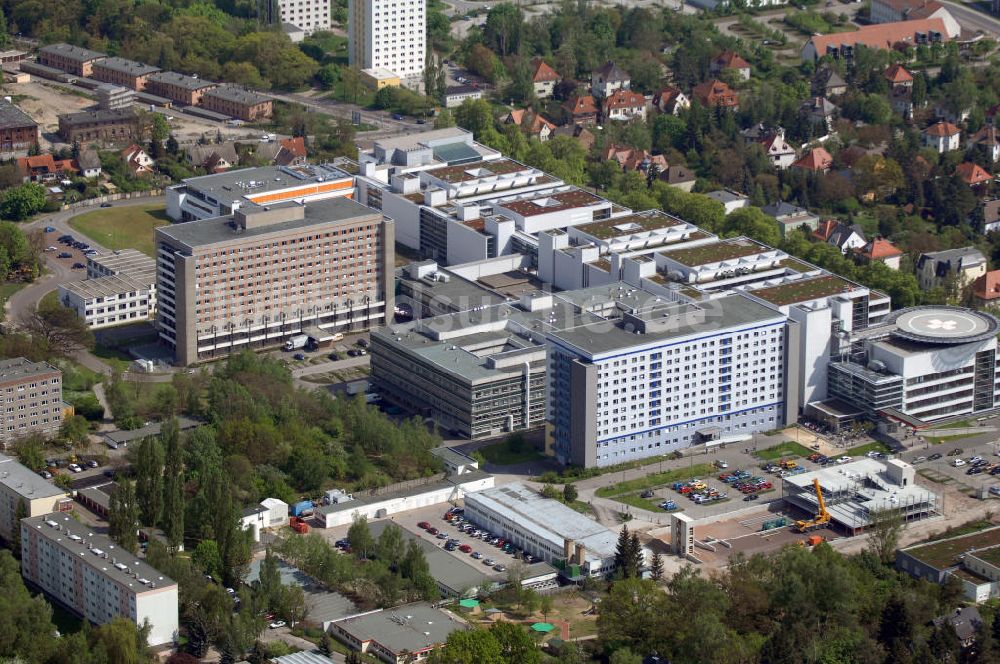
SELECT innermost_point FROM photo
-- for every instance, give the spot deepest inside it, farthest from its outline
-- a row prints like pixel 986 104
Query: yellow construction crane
pixel 822 516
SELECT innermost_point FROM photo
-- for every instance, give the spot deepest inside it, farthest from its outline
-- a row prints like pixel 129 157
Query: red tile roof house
pixel 730 60
pixel 581 110
pixel 671 100
pixel 882 251
pixel 136 160
pixel 779 151
pixel 624 105
pixel 986 289
pixel 898 77
pixel 884 36
pixel 972 174
pixel 544 78
pixel 532 123
pixel 943 137
pixel 631 159
pixel 43 167
pixel 817 160
pixel 716 93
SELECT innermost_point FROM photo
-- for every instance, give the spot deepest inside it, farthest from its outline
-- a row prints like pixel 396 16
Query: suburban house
pixel 828 83
pixel 730 61
pixel 987 138
pixel 965 621
pixel 790 217
pixel 901 102
pixel 965 265
pixel 136 160
pixel 817 160
pixel 844 237
pixel 991 215
pixel 671 100
pixel 731 200
pixel 214 158
pixel 986 289
pixel 779 151
pixel 43 167
pixel 544 78
pixel 532 123
pixel 579 133
pixel 679 177
pixel 89 163
pixel 882 251
pixel 895 11
pixel 943 137
pixel 973 174
pixel 581 110
pixel 632 159
pixel 820 111
pixel 882 37
pixel 609 77
pixel 898 77
pixel 624 105
pixel 716 93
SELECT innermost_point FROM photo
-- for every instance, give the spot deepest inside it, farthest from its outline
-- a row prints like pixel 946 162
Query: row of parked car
pixel 456 517
pixel 52 466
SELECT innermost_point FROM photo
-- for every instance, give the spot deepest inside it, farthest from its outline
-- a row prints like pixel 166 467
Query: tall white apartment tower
pixel 389 35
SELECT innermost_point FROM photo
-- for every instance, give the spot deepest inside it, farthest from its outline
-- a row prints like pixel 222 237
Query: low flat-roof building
pixel 406 633
pixel 69 58
pixel 114 97
pixel 187 90
pixel 237 102
pixel 107 128
pixel 96 579
pixel 973 559
pixel 120 288
pixel 19 484
pixel 17 130
pixel 126 73
pixel 545 528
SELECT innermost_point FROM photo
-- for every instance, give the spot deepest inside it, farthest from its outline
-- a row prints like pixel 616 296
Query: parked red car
pixel 432 531
pixel 423 525
pixel 465 548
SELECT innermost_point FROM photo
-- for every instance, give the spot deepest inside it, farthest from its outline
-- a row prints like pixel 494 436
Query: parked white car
pixel 958 463
pixel 73 468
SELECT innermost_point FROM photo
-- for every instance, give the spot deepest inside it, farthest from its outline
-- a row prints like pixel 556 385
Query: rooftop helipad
pixel 944 325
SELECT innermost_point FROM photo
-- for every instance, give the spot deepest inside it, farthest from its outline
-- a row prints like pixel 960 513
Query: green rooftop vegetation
pixel 946 552
pixel 803 290
pixel 713 253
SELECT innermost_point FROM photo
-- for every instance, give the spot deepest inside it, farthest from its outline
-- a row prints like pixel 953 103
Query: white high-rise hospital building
pixel 390 35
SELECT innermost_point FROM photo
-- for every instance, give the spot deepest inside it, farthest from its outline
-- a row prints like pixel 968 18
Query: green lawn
pixel 6 291
pixel 655 480
pixel 504 454
pixel 959 424
pixel 786 449
pixel 128 227
pixel 874 446
pixel 635 500
pixel 935 440
pixel 116 359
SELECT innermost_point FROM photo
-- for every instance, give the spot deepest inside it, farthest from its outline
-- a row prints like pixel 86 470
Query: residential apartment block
pixel 94 578
pixel 238 103
pixel 388 34
pixel 186 90
pixel 308 15
pixel 220 194
pixel 69 58
pixel 126 73
pixel 108 128
pixel 261 274
pixel 32 399
pixel 17 130
pixel 22 486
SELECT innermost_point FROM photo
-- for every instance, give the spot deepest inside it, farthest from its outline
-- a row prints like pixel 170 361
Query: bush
pixel 87 406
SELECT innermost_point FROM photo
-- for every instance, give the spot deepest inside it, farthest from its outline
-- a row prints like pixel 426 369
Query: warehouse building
pixel 95 579
pixel 126 73
pixel 17 130
pixel 21 485
pixel 545 528
pixel 407 633
pixel 238 103
pixel 111 127
pixel 217 195
pixel 181 89
pixel 283 267
pixel 69 58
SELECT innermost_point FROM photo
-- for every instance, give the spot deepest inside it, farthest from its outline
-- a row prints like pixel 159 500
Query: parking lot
pixel 67 249
pixel 972 469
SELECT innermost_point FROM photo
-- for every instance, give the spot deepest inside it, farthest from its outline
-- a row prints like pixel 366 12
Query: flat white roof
pixel 548 518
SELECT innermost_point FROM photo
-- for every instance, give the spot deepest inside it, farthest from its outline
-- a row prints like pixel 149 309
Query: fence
pixel 92 202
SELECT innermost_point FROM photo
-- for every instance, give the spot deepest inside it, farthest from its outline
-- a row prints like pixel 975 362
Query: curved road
pixel 58 271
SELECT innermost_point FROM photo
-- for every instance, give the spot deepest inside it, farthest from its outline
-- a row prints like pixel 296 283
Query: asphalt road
pixel 972 18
